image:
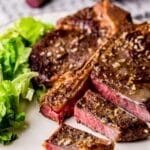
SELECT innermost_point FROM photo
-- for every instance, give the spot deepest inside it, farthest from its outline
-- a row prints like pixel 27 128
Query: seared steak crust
pixel 123 70
pixel 103 14
pixel 84 19
pixel 125 64
pixel 67 56
pixel 75 39
pixel 61 51
pixel 59 101
pixel 69 138
pixel 126 127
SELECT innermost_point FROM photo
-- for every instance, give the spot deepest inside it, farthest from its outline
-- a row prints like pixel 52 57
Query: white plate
pixel 41 128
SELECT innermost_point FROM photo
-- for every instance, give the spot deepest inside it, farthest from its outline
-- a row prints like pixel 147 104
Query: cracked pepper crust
pixel 75 40
pixel 130 127
pixel 68 137
pixel 124 64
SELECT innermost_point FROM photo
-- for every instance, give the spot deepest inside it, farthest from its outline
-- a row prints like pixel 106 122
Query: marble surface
pixel 13 9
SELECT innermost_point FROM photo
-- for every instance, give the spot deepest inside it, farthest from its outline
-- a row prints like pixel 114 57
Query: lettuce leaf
pixel 11 95
pixel 9 104
pixel 13 57
pixel 1 73
pixel 7 136
pixel 31 29
pixel 15 75
pixel 23 85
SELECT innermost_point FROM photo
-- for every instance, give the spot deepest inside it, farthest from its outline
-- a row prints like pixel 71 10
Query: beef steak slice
pixel 103 14
pixel 69 138
pixel 59 101
pixel 108 119
pixel 67 49
pixel 61 51
pixel 122 74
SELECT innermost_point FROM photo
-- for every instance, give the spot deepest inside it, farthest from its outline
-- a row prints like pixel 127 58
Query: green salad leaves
pixel 15 74
pixel 14 57
pixel 32 30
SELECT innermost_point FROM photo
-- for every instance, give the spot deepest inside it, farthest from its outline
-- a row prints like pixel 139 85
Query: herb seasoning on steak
pixel 109 119
pixel 122 74
pixel 69 138
pixel 68 48
pixel 61 51
pixel 59 101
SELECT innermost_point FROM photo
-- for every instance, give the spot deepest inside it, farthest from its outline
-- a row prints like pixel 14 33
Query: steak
pixel 69 138
pixel 59 101
pixel 122 74
pixel 68 48
pixel 73 70
pixel 110 120
pixel 102 15
pixel 61 51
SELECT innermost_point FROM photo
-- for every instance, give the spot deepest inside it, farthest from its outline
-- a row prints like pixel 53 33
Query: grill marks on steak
pixel 68 48
pixel 69 138
pixel 122 74
pixel 108 119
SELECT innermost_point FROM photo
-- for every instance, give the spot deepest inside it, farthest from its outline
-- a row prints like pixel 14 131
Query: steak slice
pixel 67 49
pixel 102 14
pixel 59 101
pixel 61 51
pixel 108 119
pixel 122 74
pixel 69 138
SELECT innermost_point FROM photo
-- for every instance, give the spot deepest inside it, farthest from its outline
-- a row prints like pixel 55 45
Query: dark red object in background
pixel 37 3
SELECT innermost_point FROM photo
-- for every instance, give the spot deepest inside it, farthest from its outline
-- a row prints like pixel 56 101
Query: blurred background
pixel 13 9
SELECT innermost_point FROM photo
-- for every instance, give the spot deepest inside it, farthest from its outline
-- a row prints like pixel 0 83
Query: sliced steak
pixel 122 74
pixel 69 138
pixel 59 101
pixel 108 119
pixel 67 49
